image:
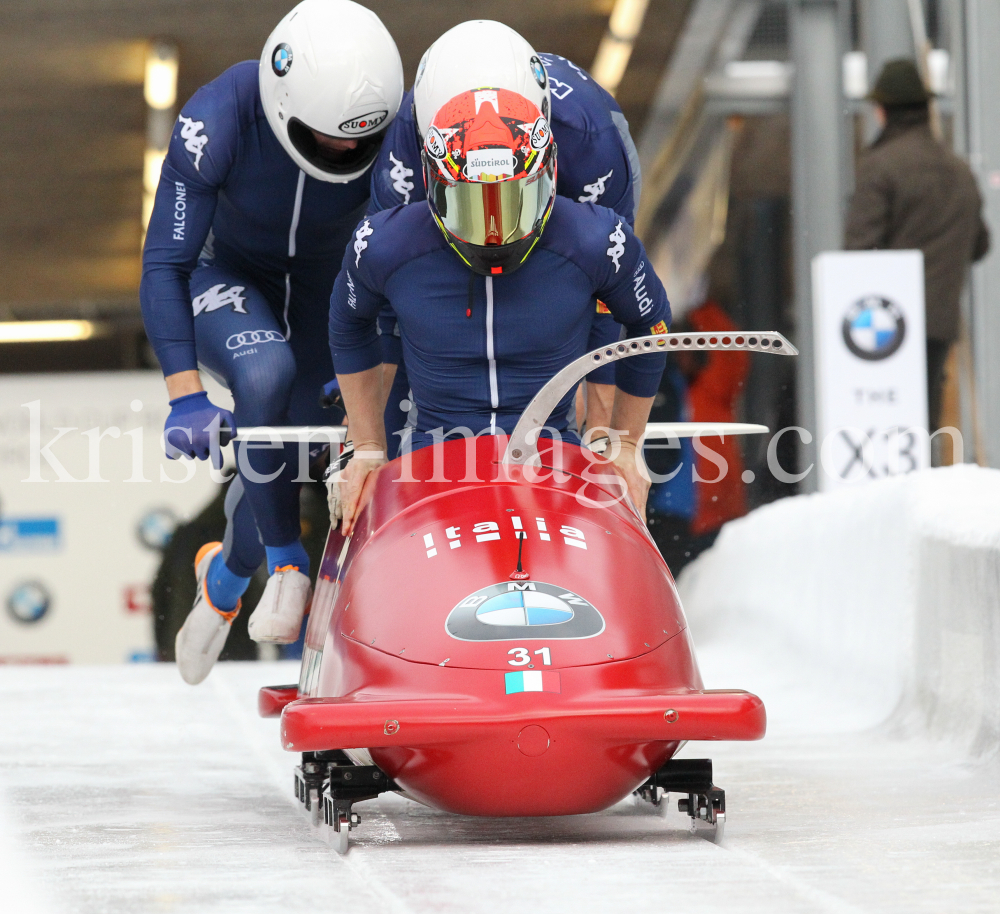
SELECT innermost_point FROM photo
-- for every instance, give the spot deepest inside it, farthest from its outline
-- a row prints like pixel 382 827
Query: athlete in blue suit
pixel 598 162
pixel 264 180
pixel 494 285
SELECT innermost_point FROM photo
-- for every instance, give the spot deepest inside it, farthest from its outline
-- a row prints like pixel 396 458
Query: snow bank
pixel 888 594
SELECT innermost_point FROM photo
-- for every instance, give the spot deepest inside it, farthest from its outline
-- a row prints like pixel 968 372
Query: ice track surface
pixel 124 790
pixel 128 791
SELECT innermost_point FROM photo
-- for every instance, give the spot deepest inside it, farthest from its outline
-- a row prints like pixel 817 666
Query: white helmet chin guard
pixel 474 55
pixel 332 67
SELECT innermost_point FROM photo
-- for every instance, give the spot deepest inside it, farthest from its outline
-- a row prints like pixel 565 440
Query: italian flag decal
pixel 531 681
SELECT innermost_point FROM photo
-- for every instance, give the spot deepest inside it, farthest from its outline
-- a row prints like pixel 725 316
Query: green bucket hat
pixel 899 83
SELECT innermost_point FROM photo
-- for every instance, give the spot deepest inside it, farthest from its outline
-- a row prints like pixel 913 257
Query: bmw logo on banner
pixel 29 602
pixel 874 328
pixel 516 610
pixel 156 528
pixel 870 366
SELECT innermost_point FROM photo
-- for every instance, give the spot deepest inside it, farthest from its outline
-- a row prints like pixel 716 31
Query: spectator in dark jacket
pixel 911 192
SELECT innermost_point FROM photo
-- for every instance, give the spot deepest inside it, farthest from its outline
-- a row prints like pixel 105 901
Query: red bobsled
pixel 501 637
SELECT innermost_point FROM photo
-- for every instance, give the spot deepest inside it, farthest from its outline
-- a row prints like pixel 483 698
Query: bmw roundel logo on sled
pixel 874 328
pixel 515 610
pixel 281 59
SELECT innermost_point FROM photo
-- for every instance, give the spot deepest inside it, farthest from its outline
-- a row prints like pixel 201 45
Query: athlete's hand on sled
pixel 367 459
pixel 628 418
pixel 197 428
pixel 332 480
pixel 628 464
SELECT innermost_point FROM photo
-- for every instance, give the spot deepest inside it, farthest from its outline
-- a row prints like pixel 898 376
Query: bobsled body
pixel 485 690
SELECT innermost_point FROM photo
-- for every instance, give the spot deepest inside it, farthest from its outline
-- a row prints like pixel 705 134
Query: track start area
pixel 864 619
pixel 124 790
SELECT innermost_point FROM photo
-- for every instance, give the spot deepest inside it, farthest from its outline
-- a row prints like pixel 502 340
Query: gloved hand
pixel 332 400
pixel 196 427
pixel 331 395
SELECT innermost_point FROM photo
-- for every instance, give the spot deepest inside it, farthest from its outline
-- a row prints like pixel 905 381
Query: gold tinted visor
pixel 492 213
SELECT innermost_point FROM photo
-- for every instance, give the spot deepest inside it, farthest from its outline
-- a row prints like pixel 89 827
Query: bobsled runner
pixel 500 636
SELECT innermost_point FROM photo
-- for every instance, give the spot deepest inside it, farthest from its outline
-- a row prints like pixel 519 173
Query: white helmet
pixel 330 66
pixel 475 55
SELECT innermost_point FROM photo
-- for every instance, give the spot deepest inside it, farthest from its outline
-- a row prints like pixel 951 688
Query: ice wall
pixel 888 594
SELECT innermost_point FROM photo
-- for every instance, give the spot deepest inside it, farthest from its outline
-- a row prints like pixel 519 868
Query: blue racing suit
pixel 670 463
pixel 478 348
pixel 598 163
pixel 240 257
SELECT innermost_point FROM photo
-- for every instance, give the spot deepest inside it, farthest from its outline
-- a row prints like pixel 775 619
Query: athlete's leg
pixel 278 616
pixel 241 544
pixel 308 338
pixel 242 342
pixel 241 554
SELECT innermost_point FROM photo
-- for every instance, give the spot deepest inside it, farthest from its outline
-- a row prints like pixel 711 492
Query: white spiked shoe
pixel 278 616
pixel 204 632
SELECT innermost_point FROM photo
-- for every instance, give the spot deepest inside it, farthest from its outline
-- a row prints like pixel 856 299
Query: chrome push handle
pixel 522 448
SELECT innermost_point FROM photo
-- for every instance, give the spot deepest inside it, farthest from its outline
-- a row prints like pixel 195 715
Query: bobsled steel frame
pixel 523 445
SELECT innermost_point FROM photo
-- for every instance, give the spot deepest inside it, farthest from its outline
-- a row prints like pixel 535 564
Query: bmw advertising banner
pixel 87 504
pixel 871 369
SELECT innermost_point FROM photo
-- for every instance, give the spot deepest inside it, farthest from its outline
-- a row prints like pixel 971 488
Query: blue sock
pixel 224 587
pixel 293 554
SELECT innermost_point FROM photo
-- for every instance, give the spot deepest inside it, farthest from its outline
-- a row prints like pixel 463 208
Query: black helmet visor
pixel 334 162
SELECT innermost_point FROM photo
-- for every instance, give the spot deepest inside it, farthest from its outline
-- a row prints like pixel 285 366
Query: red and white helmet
pixel 477 53
pixel 490 169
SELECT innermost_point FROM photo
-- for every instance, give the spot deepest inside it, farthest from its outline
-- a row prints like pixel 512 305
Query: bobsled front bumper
pixel 316 724
pixel 477 742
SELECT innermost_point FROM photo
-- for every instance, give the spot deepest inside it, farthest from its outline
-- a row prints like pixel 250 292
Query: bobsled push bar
pixel 548 397
pixel 522 447
pixel 338 433
pixel 332 434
